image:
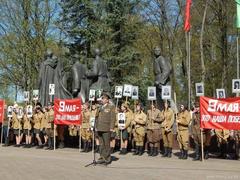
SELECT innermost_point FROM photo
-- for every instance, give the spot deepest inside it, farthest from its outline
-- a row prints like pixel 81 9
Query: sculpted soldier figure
pixel 99 74
pixel 80 84
pixel 162 69
pixel 46 77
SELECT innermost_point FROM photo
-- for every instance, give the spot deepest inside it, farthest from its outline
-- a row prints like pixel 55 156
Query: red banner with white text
pixel 1 110
pixel 220 113
pixel 67 111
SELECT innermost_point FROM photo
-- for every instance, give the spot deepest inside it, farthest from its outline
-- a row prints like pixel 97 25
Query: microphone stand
pixel 93 163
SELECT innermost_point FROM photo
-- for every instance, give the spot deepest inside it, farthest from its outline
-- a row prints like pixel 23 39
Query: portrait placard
pixel 26 96
pixel 99 94
pixel 151 93
pixel 118 92
pixel 166 92
pixel 121 120
pixel 9 111
pixel 220 93
pixel 51 89
pixel 236 85
pixel 199 89
pixel 20 112
pixel 92 95
pixel 35 94
pixel 127 90
pixel 29 111
pixel 135 92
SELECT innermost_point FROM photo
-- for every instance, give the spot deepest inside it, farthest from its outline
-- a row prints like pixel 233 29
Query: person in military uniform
pixel 105 120
pixel 222 138
pixel 153 129
pixel 127 129
pixel 85 128
pixel 50 126
pixel 114 133
pixel 37 119
pixel 167 129
pixel 17 127
pixel 73 132
pixel 183 120
pixel 196 135
pixel 139 121
pixel 43 126
pixel 27 129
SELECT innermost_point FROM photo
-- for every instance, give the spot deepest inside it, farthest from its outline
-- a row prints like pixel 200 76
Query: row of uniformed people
pixel 154 123
pixel 40 121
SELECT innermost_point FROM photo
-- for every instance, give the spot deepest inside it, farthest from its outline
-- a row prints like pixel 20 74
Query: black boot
pixel 151 149
pixel 97 149
pixel 155 151
pixel 169 153
pixel 136 150
pixel 185 154
pixel 124 151
pixel 165 152
pixel 84 146
pixel 197 154
pixel 87 146
pixel 206 154
pixel 181 154
pixel 140 151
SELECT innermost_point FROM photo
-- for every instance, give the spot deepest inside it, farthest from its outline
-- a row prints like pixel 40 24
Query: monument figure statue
pixel 80 83
pixel 46 77
pixel 99 74
pixel 162 70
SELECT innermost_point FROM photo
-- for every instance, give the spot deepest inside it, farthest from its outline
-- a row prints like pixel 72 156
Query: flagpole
pixel 189 67
pixel 237 59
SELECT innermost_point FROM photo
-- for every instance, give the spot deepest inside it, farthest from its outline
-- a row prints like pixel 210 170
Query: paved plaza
pixel 68 164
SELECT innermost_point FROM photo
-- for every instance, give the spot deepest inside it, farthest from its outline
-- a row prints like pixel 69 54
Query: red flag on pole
pixel 187 15
pixel 67 111
pixel 220 113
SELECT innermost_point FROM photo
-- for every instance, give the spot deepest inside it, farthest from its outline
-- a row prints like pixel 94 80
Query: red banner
pixel 67 111
pixel 187 15
pixel 220 113
pixel 1 110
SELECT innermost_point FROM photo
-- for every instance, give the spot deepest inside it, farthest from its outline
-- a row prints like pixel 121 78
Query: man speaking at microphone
pixel 105 121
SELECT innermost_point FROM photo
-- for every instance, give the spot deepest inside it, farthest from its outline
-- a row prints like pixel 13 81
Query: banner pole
pixel 80 143
pixel 189 69
pixel 237 60
pixel 202 149
pixel 54 134
pixel 116 104
pixel 2 133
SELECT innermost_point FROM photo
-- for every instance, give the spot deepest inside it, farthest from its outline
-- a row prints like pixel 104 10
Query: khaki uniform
pixel 153 124
pixel 37 120
pixel 50 123
pixel 105 120
pixel 16 123
pixel 196 132
pixel 183 120
pixel 26 123
pixel 222 135
pixel 140 120
pixel 44 121
pixel 167 127
pixel 85 128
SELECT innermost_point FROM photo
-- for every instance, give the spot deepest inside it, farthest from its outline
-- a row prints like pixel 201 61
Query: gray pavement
pixel 39 164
